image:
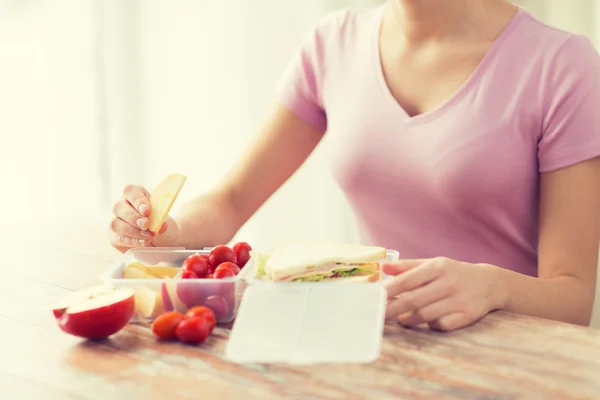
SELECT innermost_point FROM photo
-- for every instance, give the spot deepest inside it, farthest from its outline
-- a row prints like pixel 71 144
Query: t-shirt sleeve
pixel 300 87
pixel 571 125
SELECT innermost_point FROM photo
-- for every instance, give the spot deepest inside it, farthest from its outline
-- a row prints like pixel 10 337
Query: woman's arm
pixel 448 294
pixel 284 142
pixel 568 249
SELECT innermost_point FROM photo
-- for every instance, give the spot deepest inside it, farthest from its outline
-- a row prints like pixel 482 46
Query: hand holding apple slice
pixel 162 199
pixel 95 313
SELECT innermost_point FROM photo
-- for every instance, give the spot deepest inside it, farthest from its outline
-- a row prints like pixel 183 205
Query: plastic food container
pixel 248 274
pixel 157 294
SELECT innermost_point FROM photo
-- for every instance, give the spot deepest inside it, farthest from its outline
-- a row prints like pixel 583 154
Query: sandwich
pixel 317 262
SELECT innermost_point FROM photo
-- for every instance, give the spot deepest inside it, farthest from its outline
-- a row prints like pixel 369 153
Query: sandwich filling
pixel 332 270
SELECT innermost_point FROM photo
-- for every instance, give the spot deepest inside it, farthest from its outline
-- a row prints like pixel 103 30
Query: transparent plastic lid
pixel 308 323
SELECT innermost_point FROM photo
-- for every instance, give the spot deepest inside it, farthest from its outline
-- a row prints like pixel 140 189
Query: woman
pixel 466 136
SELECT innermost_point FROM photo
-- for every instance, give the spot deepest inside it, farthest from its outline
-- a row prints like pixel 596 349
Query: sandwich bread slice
pixel 315 262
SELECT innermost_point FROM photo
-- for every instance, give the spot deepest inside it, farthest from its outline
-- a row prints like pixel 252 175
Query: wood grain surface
pixel 503 356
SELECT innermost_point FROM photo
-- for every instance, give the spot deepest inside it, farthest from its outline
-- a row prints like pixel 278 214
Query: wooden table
pixel 502 357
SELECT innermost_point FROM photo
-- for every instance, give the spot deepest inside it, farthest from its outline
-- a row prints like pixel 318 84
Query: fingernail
pixel 146 233
pixel 142 241
pixel 140 222
pixel 143 208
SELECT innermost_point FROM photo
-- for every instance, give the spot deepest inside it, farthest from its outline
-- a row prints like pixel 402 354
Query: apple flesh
pixel 95 313
pixel 148 303
pixel 170 285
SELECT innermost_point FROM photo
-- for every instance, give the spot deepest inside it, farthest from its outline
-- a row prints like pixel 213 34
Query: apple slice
pixel 148 303
pixel 166 299
pixel 162 199
pixel 95 313
pixel 137 271
pixel 171 286
pixel 160 271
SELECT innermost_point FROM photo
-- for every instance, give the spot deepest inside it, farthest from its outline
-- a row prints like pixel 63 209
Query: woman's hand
pixel 442 293
pixel 129 226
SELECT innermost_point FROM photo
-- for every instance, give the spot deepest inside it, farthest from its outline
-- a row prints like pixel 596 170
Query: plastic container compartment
pixel 248 274
pixel 156 295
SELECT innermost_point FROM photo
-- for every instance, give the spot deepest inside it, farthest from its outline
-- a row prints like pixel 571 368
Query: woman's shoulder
pixel 346 22
pixel 557 46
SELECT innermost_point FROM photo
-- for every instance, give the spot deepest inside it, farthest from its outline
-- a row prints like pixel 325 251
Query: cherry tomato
pixel 223 271
pixel 221 254
pixel 219 306
pixel 187 274
pixel 210 276
pixel 193 330
pixel 198 263
pixel 242 252
pixel 204 312
pixel 231 266
pixel 165 325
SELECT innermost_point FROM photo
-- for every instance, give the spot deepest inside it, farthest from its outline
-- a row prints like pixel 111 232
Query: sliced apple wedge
pixel 137 271
pixel 148 303
pixel 95 313
pixel 162 199
pixel 171 287
pixel 160 271
pixel 166 299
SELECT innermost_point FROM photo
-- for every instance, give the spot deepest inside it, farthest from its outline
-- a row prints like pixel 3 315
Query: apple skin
pixel 98 323
pixel 164 293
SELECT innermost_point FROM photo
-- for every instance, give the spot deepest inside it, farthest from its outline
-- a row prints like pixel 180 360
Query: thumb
pixel 398 267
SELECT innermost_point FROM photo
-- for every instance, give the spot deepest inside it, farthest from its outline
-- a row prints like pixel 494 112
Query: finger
pixel 139 198
pixel 429 313
pixel 118 240
pixel 418 298
pixel 451 322
pixel 125 211
pixel 406 317
pixel 414 278
pixel 119 226
pixel 399 267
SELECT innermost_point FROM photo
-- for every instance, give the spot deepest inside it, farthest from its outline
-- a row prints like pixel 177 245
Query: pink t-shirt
pixel 461 181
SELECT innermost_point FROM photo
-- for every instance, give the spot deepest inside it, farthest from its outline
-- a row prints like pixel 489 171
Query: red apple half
pixel 95 313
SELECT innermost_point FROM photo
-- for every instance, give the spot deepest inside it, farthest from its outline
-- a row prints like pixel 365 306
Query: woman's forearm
pixel 563 298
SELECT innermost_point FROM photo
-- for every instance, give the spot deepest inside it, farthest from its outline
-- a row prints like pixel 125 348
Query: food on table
pixel 203 280
pixel 148 303
pixel 196 266
pixel 198 263
pixel 219 306
pixel 193 294
pixel 242 252
pixel 193 330
pixel 137 270
pixel 306 262
pixel 223 271
pixel 95 313
pixel 231 266
pixel 164 325
pixel 205 312
pixel 169 291
pixel 193 327
pixel 162 199
pixel 166 299
pixel 220 254
pixel 189 275
pixel 160 271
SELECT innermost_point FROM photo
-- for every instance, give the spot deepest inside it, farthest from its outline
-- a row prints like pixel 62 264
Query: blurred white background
pixel 97 94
